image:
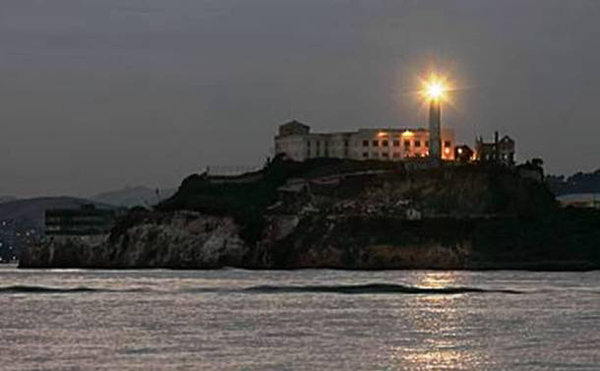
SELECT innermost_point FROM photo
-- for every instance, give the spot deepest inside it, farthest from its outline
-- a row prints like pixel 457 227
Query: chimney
pixel 496 149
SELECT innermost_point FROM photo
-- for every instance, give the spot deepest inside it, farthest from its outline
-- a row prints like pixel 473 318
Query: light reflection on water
pixel 438 325
pixel 435 279
pixel 206 320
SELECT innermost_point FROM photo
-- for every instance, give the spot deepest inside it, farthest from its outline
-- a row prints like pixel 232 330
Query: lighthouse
pixel 434 92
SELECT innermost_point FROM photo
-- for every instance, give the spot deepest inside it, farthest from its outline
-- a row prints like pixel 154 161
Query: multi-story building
pixel 87 220
pixel 501 151
pixel 297 142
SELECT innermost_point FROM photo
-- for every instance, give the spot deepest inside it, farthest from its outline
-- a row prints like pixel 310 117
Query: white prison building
pixel 297 142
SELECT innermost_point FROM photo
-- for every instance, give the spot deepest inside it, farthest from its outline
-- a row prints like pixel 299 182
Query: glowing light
pixel 435 90
pixel 407 133
pixel 447 150
pixel 435 87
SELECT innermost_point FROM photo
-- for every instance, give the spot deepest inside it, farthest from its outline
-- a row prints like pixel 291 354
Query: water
pixel 288 320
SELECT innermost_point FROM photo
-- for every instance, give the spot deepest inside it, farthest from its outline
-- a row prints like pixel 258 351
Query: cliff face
pixel 178 240
pixel 341 215
pixel 195 241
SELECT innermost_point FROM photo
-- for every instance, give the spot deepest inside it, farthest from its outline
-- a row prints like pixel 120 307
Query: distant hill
pixel 133 196
pixel 575 184
pixel 23 219
pixel 4 199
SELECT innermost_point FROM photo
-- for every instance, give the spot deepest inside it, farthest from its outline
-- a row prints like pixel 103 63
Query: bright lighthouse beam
pixel 434 88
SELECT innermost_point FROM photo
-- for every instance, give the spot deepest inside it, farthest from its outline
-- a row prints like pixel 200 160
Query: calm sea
pixel 298 320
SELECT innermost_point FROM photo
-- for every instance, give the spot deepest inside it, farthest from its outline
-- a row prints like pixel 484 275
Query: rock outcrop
pixel 178 240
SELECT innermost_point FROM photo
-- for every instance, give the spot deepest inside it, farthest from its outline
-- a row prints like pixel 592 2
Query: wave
pixel 25 289
pixel 375 288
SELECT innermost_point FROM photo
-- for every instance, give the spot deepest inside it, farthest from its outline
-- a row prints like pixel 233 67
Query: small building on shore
pixel 580 200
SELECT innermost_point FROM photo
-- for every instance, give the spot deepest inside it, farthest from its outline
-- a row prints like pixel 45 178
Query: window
pixel 318 144
pixel 417 143
pixel 384 143
pixel 345 143
pixel 308 144
pixel 447 144
pixel 396 154
pixel 396 143
pixel 365 143
pixel 407 143
pixel 375 143
pixel 366 154
pixel 385 154
pixel 427 144
pixel 308 153
pixel 375 154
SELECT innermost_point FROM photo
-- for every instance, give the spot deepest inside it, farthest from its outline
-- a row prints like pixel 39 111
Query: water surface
pixel 298 320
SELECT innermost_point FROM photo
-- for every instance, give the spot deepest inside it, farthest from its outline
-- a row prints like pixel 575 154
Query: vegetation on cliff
pixel 247 197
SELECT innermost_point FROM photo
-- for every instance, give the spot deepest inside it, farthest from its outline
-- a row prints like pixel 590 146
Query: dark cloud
pixel 100 94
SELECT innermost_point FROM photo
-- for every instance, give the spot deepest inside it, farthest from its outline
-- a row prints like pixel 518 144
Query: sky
pixel 100 94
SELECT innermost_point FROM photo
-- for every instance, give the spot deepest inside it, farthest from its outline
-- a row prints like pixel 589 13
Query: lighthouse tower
pixel 435 90
pixel 435 123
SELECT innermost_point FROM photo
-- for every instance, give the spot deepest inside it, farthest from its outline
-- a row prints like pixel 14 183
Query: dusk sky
pixel 101 94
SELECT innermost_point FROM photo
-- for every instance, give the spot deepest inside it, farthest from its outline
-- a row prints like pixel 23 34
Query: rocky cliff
pixel 343 214
pixel 176 240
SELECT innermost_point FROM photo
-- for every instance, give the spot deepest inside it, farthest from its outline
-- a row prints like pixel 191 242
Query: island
pixel 345 214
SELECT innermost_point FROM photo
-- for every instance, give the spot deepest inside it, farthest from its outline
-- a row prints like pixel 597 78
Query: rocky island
pixel 344 214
